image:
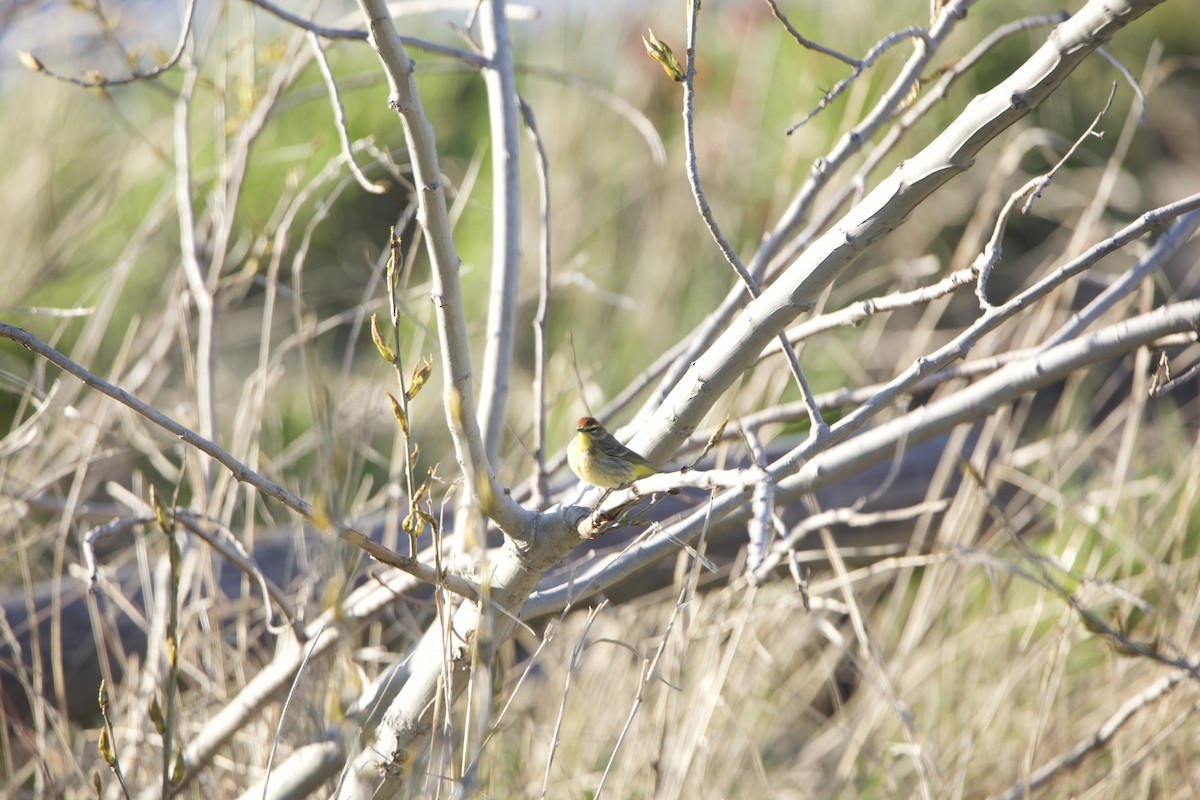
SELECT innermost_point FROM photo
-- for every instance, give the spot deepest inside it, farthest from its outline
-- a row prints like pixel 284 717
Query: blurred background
pixel 88 180
pixel 759 694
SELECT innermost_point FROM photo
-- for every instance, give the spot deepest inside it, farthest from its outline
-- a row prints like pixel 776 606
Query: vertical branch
pixel 506 226
pixel 693 173
pixel 169 527
pixel 540 489
pixel 194 271
pixel 434 219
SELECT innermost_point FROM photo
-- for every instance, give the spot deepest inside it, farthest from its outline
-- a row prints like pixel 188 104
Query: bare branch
pixel 808 43
pixel 95 80
pixel 481 482
pixel 797 212
pixel 1167 245
pixel 1073 757
pixel 876 215
pixel 987 322
pixel 854 140
pixel 506 227
pixel 355 34
pixel 710 222
pixel 881 47
pixel 873 446
pixel 339 120
pixel 240 471
pixel 538 481
pixel 408 8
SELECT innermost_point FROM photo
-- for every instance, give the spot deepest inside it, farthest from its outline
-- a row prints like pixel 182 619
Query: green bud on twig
pixel 388 354
pixel 661 52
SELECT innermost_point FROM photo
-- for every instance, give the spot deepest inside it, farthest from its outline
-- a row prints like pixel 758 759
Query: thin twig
pixel 987 322
pixel 235 553
pixel 1167 245
pixel 195 272
pixel 540 478
pixel 360 35
pixel 1163 383
pixel 764 523
pixel 869 657
pixel 339 119
pixel 243 474
pixel 458 392
pixel 532 664
pixel 619 105
pixel 881 47
pixel 850 517
pixel 171 650
pixel 95 81
pixel 1074 756
pixel 581 645
pixel 861 310
pixel 649 673
pixel 808 43
pixel 710 221
pixel 354 34
pixel 1132 81
pixel 287 703
pixel 989 257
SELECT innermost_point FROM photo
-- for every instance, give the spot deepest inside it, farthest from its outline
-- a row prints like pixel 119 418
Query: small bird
pixel 598 458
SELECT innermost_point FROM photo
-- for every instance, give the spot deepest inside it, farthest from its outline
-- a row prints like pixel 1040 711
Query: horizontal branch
pixel 871 447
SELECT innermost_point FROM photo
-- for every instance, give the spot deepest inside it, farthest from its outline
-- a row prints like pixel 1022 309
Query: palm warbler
pixel 598 458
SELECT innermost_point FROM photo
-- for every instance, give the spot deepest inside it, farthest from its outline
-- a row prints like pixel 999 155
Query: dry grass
pixel 956 668
pixel 957 673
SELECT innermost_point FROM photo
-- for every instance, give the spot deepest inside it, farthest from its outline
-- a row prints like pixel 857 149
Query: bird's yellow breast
pixel 590 462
